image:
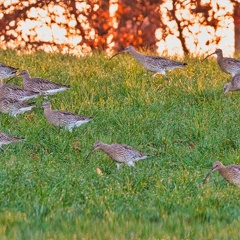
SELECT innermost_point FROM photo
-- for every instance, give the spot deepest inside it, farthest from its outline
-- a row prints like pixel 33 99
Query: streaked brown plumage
pixel 7 71
pixel 14 107
pixel 228 65
pixel 120 153
pixel 231 173
pixel 64 119
pixel 7 139
pixel 153 63
pixel 40 85
pixel 234 85
pixel 15 92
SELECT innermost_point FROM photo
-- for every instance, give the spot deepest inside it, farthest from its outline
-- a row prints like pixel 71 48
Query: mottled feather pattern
pixel 16 92
pixel 6 139
pixel 153 63
pixel 14 107
pixel 120 153
pixel 62 118
pixel 231 173
pixel 7 71
pixel 40 84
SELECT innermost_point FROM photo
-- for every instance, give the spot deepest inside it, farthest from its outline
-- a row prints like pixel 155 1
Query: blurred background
pixel 171 27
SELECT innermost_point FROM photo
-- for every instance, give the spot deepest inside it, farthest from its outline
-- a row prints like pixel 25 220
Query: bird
pixel 15 92
pixel 63 119
pixel 120 153
pixel 231 173
pixel 234 85
pixel 153 63
pixel 40 85
pixel 7 139
pixel 7 71
pixel 14 107
pixel 227 65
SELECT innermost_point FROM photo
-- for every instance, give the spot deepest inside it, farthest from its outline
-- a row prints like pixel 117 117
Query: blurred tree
pixel 138 21
pixel 82 25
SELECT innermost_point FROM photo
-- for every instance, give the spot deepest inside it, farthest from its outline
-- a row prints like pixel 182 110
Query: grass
pixel 49 191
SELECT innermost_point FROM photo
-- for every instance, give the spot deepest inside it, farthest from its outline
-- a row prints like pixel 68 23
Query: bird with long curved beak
pixel 155 64
pixel 227 65
pixel 231 173
pixel 120 153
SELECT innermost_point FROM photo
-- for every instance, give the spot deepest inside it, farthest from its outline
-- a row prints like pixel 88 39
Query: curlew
pixel 40 85
pixel 234 85
pixel 120 153
pixel 7 71
pixel 228 65
pixel 14 107
pixel 153 63
pixel 63 119
pixel 231 173
pixel 15 92
pixel 8 139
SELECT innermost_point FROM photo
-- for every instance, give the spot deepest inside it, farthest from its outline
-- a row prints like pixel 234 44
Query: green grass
pixel 49 191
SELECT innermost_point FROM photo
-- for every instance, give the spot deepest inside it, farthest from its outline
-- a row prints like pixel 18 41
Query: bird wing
pixel 232 61
pixel 67 115
pixel 164 61
pixel 8 100
pixel 6 137
pixel 236 81
pixel 236 168
pixel 45 84
pixel 132 150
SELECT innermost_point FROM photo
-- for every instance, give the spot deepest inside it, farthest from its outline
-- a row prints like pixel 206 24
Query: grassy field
pixel 49 191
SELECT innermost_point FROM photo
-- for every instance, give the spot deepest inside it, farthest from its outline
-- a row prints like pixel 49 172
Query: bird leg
pixel 162 73
pixel 119 165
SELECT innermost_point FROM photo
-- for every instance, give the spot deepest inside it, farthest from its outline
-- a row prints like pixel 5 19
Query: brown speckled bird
pixel 64 119
pixel 7 71
pixel 120 153
pixel 228 65
pixel 41 85
pixel 231 173
pixel 15 92
pixel 7 139
pixel 234 85
pixel 14 107
pixel 153 63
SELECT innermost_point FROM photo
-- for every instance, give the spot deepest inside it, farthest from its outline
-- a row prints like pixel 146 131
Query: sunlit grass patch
pixel 50 191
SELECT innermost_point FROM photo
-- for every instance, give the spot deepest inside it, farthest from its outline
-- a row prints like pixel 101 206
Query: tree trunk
pixel 236 16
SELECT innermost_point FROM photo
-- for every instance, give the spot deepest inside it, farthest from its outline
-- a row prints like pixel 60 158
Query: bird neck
pixel 223 171
pixel 219 57
pixel 135 54
pixel 47 109
pixel 106 148
pixel 26 76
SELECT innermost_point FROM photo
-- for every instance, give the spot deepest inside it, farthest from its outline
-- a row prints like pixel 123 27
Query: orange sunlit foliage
pixel 80 26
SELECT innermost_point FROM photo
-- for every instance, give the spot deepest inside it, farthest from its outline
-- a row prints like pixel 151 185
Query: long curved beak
pixel 208 56
pixel 12 78
pixel 205 180
pixel 89 154
pixel 114 55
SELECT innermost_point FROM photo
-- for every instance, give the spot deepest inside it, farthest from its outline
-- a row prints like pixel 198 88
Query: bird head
pixel 96 146
pixel 218 52
pixel 216 166
pixel 129 49
pixel 226 87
